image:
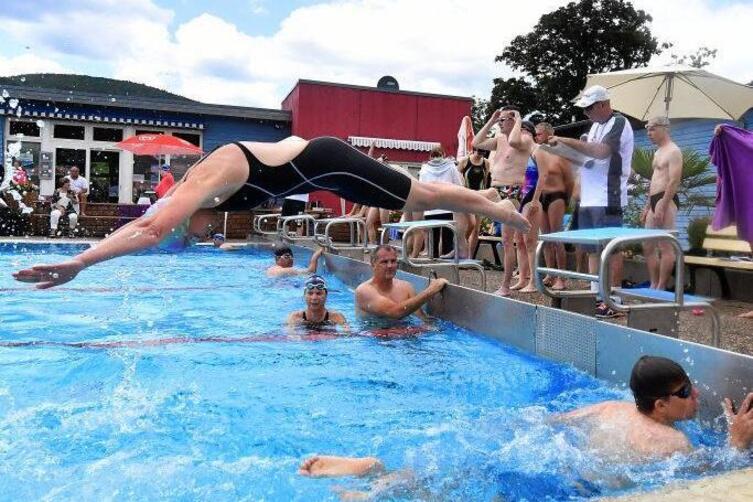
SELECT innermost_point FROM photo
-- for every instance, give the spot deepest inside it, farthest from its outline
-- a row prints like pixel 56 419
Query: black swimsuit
pixel 654 200
pixel 317 324
pixel 475 176
pixel 325 164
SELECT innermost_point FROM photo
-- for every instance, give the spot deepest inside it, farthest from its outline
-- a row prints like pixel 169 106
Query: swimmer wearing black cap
pixel 316 316
pixel 645 430
pixel 242 175
pixel 283 266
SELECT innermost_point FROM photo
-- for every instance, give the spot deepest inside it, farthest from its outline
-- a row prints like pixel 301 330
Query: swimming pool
pixel 231 418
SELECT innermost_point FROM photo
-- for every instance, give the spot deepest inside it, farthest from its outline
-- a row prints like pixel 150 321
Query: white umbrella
pixel 676 92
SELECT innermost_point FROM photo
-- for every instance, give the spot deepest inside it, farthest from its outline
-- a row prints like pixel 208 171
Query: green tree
pixel 696 174
pixel 588 36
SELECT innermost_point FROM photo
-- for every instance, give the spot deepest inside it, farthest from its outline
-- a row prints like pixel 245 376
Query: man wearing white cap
pixel 603 179
pixel 663 203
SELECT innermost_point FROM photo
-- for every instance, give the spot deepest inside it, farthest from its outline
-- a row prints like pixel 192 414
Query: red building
pixel 406 125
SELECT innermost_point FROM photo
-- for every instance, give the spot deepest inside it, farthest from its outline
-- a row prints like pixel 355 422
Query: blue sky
pixel 251 52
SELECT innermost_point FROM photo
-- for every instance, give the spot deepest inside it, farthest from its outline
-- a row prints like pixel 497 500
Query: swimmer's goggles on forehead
pixel 315 282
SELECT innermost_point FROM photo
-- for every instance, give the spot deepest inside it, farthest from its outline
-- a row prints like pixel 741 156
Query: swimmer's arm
pixel 515 138
pixel 567 177
pixel 314 261
pixel 339 320
pixel 481 139
pixel 293 320
pixel 373 303
pixel 675 176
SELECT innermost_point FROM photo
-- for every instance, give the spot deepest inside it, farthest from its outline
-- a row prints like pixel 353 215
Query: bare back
pixel 616 429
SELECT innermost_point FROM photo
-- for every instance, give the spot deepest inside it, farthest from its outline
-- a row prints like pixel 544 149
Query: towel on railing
pixel 732 154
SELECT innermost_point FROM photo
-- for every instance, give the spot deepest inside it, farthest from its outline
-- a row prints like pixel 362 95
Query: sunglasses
pixel 684 392
pixel 318 286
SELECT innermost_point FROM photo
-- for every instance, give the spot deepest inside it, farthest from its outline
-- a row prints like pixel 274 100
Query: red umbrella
pixel 158 144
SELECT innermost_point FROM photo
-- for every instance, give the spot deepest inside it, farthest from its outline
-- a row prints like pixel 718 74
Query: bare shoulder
pixel 337 317
pixel 364 289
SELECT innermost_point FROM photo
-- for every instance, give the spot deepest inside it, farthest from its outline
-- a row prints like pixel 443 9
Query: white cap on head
pixel 592 95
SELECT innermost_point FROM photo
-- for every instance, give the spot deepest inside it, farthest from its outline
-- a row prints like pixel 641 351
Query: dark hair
pixel 388 247
pixel 283 250
pixel 510 108
pixel 653 378
pixel 527 125
pixel 63 181
pixel 437 151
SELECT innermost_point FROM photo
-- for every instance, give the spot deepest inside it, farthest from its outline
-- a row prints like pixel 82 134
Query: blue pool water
pixel 232 417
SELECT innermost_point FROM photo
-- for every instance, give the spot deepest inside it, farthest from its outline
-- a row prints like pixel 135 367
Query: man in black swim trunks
pixel 663 203
pixel 316 316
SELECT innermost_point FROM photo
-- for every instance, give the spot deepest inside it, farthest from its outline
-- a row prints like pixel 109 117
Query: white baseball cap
pixel 592 95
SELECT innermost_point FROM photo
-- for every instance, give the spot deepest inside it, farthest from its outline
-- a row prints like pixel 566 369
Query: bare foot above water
pixel 330 466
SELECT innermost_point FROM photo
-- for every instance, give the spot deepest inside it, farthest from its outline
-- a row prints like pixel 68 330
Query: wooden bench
pixel 725 249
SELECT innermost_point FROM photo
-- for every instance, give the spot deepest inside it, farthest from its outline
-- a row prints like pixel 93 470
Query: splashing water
pixel 5 94
pixel 13 103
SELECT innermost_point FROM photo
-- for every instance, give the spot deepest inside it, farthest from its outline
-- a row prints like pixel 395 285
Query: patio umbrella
pixel 676 91
pixel 158 144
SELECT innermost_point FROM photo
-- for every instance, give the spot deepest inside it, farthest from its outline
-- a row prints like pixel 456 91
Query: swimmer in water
pixel 283 266
pixel 645 430
pixel 316 316
pixel 242 175
pixel 387 297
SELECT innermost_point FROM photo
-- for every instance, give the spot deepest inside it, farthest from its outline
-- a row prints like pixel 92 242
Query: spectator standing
pixel 476 175
pixel 603 179
pixel 166 182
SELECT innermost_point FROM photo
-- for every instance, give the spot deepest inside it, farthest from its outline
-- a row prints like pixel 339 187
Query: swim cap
pixel 315 282
pixel 218 237
pixel 653 378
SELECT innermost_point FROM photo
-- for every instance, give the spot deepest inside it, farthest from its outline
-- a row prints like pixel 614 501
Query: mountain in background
pixel 85 83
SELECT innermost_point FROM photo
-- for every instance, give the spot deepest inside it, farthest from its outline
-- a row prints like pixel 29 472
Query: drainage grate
pixel 562 336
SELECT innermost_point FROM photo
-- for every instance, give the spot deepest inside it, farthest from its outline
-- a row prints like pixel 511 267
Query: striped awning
pixel 395 144
pixel 25 113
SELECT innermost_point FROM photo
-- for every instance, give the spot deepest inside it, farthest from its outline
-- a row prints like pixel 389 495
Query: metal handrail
pixel 356 225
pixel 259 220
pixel 284 232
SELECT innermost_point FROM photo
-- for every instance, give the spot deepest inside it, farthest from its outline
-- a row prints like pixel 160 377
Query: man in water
pixel 663 203
pixel 645 430
pixel 316 316
pixel 623 431
pixel 385 296
pixel 513 150
pixel 283 266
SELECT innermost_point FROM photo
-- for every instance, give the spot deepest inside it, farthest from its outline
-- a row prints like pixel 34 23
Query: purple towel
pixel 732 154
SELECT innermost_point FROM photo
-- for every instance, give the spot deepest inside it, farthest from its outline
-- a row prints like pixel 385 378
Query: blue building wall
pixel 695 134
pixel 221 130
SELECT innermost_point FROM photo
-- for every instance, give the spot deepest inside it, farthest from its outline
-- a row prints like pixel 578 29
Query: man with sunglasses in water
pixel 644 430
pixel 316 316
pixel 283 266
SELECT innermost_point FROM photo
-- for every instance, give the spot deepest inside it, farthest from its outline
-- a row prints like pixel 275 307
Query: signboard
pixel 46 171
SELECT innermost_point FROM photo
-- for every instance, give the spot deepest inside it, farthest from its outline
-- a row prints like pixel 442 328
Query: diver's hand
pixel 48 276
pixel 740 422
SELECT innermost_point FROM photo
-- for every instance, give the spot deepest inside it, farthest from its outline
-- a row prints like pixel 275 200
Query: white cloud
pixel 29 63
pixel 443 47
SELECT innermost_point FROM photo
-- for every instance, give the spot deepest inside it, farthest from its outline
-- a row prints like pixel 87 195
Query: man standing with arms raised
pixel 603 179
pixel 508 173
pixel 663 203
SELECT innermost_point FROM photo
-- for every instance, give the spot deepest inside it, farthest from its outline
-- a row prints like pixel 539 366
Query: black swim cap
pixel 283 250
pixel 527 125
pixel 653 378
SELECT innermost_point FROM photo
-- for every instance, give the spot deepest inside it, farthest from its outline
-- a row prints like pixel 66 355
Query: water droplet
pixel 56 109
pixel 13 103
pixel 686 350
pixel 5 94
pixel 113 100
pixel 18 111
pixel 23 79
pixel 55 275
pixel 40 123
pixel 217 200
pixel 614 372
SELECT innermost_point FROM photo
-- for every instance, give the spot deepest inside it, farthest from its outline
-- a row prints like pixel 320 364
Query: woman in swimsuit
pixel 316 316
pixel 240 176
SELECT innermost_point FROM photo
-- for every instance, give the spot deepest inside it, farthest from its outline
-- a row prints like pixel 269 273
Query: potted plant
pixel 696 234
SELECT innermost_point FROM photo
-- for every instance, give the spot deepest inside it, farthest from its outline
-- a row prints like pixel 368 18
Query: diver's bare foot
pixel 530 288
pixel 502 291
pixel 513 217
pixel 331 466
pixel 548 280
pixel 746 315
pixel 559 284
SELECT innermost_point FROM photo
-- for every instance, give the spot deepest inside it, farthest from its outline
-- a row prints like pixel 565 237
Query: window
pixel 28 154
pixel 68 131
pixel 19 127
pixel 194 139
pixel 108 134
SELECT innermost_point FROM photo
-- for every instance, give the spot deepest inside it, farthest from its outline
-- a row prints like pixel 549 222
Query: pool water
pixel 232 416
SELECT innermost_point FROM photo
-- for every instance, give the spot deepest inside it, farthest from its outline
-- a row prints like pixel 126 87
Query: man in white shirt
pixel 80 187
pixel 603 179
